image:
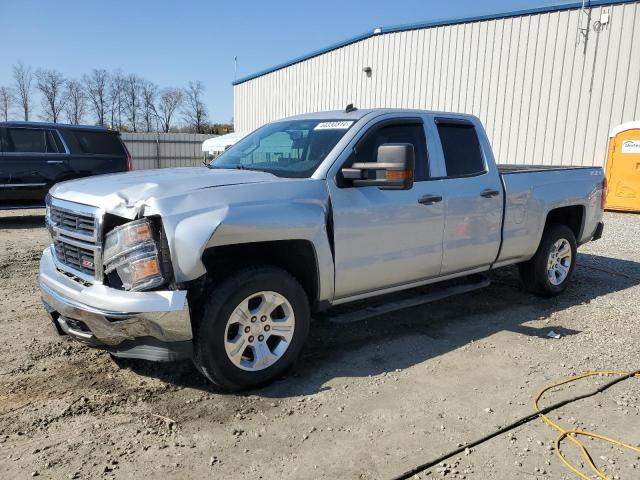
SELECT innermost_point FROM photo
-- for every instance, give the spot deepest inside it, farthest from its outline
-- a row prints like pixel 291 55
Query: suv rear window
pixel 101 143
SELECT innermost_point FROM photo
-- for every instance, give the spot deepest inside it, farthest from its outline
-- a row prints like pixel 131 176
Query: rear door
pixel 33 160
pixel 94 152
pixel 473 194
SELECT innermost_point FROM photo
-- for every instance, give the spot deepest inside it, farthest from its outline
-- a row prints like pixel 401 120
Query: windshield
pixel 292 149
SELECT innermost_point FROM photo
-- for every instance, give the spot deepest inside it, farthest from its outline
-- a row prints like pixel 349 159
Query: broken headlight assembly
pixel 132 252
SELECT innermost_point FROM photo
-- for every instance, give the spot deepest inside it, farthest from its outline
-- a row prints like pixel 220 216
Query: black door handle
pixel 430 199
pixel 489 192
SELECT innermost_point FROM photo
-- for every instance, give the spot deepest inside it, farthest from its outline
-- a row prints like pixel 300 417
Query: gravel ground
pixel 367 400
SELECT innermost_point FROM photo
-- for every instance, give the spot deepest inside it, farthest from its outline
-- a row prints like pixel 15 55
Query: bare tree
pixel 116 91
pixel 96 84
pixel 76 101
pixel 133 99
pixel 51 84
pixel 195 111
pixel 149 113
pixel 23 78
pixel 6 100
pixel 170 100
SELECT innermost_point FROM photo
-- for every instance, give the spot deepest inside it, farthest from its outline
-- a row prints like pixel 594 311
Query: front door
pixel 386 238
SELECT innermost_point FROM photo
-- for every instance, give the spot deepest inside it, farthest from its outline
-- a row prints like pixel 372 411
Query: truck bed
pixel 532 191
pixel 502 168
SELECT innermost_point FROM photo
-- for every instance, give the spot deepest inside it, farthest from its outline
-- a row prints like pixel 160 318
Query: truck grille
pixel 76 239
pixel 78 258
pixel 73 222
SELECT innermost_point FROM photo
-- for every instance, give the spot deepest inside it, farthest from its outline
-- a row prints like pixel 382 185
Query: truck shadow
pixel 408 337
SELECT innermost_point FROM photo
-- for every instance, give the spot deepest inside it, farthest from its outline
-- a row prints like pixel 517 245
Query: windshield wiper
pixel 242 167
pixel 239 167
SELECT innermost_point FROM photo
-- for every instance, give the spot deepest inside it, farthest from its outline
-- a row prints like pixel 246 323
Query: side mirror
pixel 394 168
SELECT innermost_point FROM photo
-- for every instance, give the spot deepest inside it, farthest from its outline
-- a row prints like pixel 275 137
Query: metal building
pixel 549 83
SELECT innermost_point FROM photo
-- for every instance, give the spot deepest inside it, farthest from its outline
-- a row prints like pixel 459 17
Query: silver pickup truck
pixel 226 263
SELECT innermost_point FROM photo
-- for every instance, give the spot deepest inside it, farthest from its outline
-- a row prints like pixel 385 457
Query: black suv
pixel 35 156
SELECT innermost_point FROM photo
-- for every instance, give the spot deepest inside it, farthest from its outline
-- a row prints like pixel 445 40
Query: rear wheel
pixel 252 328
pixel 549 271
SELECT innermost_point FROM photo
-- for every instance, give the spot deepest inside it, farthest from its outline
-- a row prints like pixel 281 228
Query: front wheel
pixel 549 271
pixel 252 328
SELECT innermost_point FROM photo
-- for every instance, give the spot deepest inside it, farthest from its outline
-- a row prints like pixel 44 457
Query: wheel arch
pixel 572 216
pixel 296 257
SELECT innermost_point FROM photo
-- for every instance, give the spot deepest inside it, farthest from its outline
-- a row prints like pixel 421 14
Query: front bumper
pixel 115 319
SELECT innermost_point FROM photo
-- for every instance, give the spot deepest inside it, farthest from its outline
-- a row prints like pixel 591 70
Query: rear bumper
pixel 114 319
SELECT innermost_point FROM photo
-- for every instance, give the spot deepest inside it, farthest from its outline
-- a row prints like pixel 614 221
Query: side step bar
pixel 412 301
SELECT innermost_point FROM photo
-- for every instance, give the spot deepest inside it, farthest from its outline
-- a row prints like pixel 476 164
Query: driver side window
pixel 367 150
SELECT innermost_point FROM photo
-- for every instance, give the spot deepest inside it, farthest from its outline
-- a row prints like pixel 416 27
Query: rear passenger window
pixel 101 143
pixel 30 140
pixel 461 148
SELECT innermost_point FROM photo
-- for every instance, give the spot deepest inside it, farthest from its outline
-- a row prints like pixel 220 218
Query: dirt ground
pixel 367 400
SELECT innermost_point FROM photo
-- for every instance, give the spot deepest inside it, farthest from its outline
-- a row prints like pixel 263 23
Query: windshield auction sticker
pixel 333 125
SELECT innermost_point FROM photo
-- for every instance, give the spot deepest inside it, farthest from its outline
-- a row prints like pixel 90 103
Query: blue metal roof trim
pixel 430 24
pixel 301 58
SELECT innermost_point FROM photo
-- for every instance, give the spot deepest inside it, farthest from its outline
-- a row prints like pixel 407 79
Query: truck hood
pixel 127 193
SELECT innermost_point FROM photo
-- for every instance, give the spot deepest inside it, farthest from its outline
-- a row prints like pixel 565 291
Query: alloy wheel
pixel 559 261
pixel 259 331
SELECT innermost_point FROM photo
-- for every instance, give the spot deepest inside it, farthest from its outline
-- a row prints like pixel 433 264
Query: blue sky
pixel 171 43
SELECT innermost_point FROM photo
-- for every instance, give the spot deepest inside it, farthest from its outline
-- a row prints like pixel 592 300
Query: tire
pixel 538 274
pixel 248 295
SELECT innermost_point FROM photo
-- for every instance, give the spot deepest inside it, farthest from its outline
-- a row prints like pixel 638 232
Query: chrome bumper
pixel 98 314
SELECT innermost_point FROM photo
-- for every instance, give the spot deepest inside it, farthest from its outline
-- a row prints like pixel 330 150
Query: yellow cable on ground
pixel 541 412
pixel 572 434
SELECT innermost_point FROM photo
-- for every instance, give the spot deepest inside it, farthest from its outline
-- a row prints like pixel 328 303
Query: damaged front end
pixel 107 281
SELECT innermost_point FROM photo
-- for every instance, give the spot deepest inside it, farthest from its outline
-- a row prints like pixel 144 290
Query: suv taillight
pixel 605 191
pixel 129 158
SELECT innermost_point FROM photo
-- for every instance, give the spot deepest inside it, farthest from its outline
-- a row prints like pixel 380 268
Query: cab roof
pixel 357 114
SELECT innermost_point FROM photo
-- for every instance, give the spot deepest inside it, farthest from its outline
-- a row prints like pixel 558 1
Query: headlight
pixel 131 251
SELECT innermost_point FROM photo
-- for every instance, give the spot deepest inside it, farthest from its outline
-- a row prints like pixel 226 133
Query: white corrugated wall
pixel 542 98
